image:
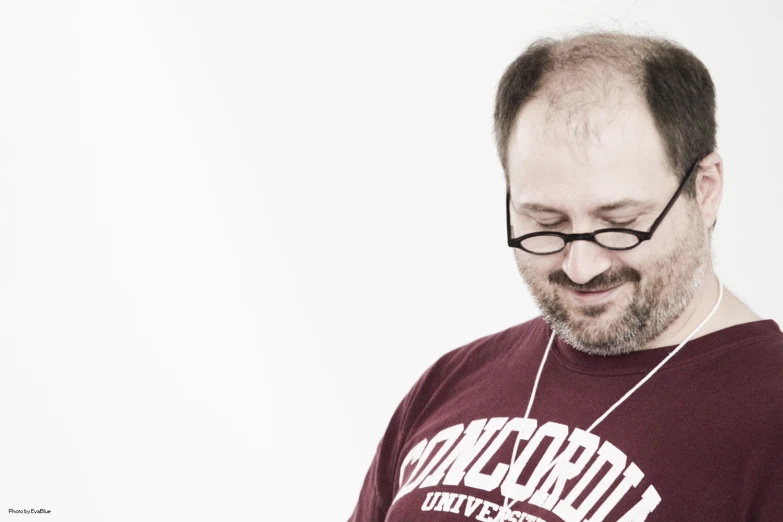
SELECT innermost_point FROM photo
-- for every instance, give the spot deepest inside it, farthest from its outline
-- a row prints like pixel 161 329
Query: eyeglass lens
pixel 552 244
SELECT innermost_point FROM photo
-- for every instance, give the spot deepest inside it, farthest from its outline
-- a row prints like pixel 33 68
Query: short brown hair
pixel 676 85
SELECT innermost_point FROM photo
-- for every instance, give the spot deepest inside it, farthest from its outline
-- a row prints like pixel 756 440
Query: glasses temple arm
pixel 673 200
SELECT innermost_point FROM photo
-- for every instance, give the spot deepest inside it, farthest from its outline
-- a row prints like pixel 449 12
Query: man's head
pixel 596 132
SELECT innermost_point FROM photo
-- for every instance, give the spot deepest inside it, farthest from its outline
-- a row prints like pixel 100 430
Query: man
pixel 646 391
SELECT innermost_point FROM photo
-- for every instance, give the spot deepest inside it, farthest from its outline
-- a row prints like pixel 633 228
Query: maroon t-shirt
pixel 702 440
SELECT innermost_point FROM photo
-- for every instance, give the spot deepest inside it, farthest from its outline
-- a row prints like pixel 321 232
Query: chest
pixel 662 455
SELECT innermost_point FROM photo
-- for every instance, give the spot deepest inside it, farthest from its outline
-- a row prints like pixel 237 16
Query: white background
pixel 234 233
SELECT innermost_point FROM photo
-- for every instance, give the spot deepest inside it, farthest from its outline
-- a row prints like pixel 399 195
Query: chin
pixel 602 312
pixel 599 329
pixel 593 340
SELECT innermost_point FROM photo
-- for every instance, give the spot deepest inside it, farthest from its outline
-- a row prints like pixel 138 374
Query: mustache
pixel 602 281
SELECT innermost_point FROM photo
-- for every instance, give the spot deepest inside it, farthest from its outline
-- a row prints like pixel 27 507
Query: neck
pixel 731 311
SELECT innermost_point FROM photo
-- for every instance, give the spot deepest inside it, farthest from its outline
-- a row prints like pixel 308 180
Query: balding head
pixel 576 75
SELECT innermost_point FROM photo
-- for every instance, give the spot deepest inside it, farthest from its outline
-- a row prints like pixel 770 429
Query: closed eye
pixel 554 225
pixel 550 226
pixel 622 224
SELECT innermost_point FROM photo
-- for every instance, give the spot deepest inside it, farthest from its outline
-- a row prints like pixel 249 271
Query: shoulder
pixel 751 354
pixel 751 377
pixel 477 362
pixel 755 410
pixel 496 348
pixel 757 347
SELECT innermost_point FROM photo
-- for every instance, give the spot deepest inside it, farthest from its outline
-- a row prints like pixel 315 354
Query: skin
pixel 580 155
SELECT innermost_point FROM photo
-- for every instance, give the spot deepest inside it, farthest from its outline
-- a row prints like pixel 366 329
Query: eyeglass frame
pixel 590 236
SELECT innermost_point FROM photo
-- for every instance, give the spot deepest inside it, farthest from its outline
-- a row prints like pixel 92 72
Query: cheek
pixel 537 267
pixel 638 261
pixel 676 230
pixel 652 264
pixel 666 239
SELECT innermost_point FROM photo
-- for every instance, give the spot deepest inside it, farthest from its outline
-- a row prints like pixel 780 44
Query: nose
pixel 584 260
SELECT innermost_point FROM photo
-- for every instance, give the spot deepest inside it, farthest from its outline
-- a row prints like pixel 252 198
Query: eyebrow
pixel 616 205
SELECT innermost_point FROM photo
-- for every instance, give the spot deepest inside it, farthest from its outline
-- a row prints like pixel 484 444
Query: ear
pixel 709 187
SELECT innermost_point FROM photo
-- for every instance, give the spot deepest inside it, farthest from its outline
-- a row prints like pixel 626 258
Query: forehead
pixel 587 153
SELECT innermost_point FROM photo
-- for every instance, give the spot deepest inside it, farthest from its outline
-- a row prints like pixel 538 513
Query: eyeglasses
pixel 545 243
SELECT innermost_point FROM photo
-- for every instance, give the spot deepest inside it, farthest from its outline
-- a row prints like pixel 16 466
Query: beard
pixel 661 291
